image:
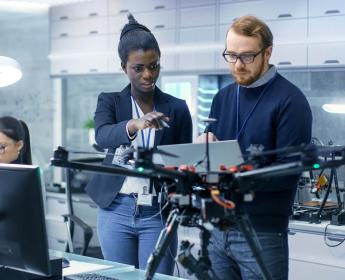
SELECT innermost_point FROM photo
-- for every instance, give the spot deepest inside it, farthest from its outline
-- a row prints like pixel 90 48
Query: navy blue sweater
pixel 281 118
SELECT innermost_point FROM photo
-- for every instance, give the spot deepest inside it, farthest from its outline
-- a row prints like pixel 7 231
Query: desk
pixel 116 270
pixel 310 257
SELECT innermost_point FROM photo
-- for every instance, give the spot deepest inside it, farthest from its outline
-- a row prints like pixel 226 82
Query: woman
pixel 14 141
pixel 140 115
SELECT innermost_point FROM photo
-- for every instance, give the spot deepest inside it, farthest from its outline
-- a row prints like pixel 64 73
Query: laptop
pixel 221 152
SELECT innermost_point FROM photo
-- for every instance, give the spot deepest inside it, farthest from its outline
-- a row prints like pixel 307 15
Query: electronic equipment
pixel 196 201
pixel 23 237
pixel 319 185
pixel 89 276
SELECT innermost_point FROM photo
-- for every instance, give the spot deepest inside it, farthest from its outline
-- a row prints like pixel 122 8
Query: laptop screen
pixel 222 152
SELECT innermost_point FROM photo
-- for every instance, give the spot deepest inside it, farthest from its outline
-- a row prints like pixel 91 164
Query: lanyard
pixel 142 131
pixel 240 131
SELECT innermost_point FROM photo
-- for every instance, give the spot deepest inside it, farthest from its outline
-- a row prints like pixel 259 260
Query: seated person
pixel 14 141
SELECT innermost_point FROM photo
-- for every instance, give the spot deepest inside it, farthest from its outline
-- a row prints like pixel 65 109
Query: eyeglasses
pixel 245 58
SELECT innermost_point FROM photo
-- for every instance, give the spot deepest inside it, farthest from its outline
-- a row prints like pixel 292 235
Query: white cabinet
pixel 168 61
pixel 86 9
pixel 284 9
pixel 81 27
pixel 116 23
pixel 198 16
pixel 232 1
pixel 223 29
pixel 56 205
pixel 276 10
pixel 289 31
pixel 196 60
pixel 162 25
pixel 221 64
pixel 196 3
pixel 134 6
pixel 158 19
pixel 80 32
pixel 165 37
pixel 78 45
pixel 289 55
pixel 79 64
pixel 327 29
pixel 57 244
pixel 57 233
pixel 326 54
pixel 197 35
pixel 284 31
pixel 114 64
pixel 229 12
pixel 326 8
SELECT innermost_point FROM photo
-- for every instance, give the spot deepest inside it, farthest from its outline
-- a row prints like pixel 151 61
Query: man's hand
pixel 202 138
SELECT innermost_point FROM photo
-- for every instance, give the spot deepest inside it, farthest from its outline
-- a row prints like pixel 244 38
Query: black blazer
pixel 114 110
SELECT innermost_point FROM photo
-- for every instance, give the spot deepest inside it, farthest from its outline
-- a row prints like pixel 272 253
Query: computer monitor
pixel 23 237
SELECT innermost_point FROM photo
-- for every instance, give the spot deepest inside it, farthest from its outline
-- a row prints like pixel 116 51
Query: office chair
pixel 71 220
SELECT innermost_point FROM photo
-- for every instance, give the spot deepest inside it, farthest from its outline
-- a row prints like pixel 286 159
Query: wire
pixel 328 244
pixel 158 213
pixel 227 204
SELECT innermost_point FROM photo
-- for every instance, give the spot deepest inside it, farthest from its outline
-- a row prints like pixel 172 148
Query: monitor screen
pixel 23 238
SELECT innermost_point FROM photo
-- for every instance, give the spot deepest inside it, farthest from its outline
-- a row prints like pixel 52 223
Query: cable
pixel 325 239
pixel 227 204
pixel 157 214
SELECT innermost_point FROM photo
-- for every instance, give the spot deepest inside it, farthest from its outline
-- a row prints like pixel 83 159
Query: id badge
pixel 144 197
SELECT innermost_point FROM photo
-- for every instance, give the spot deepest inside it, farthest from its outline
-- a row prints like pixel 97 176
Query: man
pixel 262 110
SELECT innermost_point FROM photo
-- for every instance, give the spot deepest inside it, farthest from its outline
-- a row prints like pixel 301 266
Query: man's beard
pixel 250 79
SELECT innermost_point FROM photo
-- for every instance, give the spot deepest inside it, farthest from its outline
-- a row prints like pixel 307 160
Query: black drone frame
pixel 187 183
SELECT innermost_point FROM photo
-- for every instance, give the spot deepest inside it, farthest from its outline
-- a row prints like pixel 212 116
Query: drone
pixel 210 199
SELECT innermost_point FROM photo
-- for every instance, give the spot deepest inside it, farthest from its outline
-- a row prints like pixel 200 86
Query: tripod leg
pixel 336 186
pixel 323 203
pixel 162 244
pixel 245 226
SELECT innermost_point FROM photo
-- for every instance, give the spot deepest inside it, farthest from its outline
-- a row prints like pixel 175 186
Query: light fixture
pixel 334 108
pixel 10 71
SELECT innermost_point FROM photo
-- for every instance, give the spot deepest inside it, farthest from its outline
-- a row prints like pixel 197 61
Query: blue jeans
pixel 128 235
pixel 232 258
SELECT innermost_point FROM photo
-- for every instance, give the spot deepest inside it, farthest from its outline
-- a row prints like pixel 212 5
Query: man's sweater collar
pixel 270 73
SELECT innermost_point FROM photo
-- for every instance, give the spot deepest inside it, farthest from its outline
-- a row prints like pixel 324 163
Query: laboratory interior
pixel 90 88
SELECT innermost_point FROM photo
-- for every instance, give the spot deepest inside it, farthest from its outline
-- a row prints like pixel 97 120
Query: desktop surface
pixel 100 267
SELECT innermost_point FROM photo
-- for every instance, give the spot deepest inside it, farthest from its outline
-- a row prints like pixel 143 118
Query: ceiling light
pixel 34 5
pixel 10 71
pixel 334 108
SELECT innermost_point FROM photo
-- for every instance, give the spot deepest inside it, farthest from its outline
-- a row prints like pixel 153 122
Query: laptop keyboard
pixel 89 276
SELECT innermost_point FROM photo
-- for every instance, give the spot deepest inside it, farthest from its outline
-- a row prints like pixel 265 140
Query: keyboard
pixel 89 276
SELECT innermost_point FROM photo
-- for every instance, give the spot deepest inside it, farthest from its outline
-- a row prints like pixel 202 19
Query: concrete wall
pixel 26 39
